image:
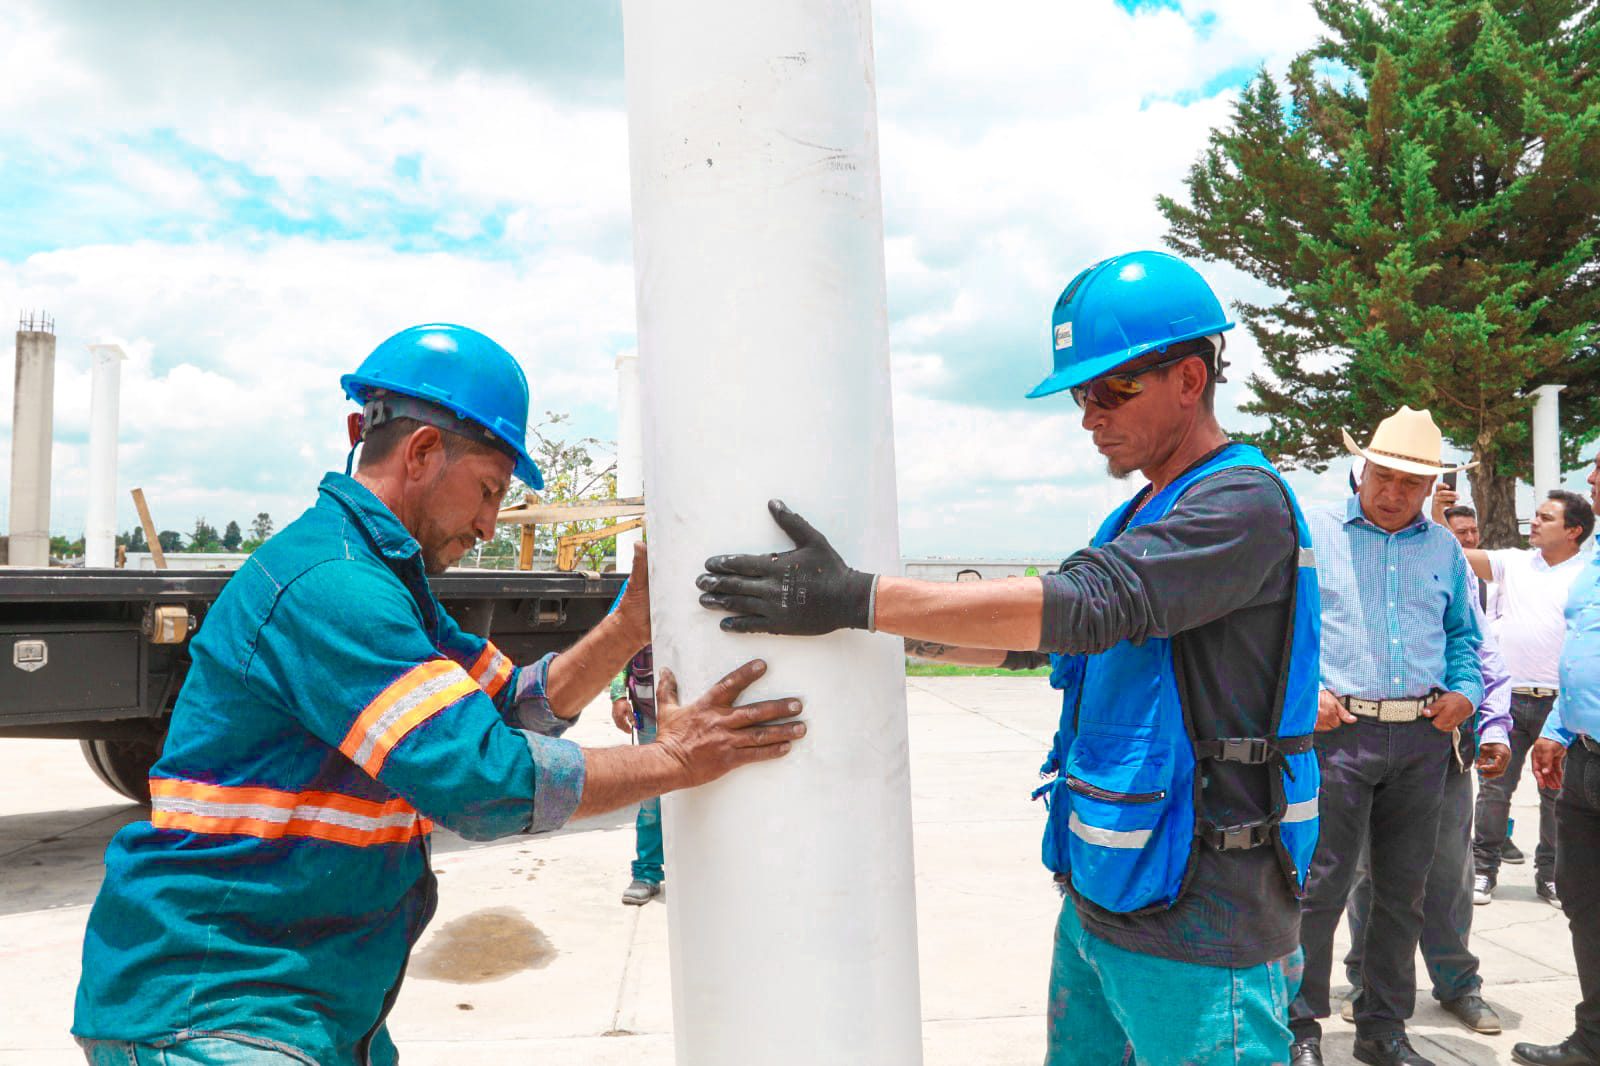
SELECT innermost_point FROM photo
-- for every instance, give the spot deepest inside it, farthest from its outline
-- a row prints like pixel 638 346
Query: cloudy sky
pixel 248 197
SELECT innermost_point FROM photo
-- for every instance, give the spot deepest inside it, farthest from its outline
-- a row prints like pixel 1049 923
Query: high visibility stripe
pixel 271 814
pixel 414 697
pixel 1308 559
pixel 1304 811
pixel 1108 838
pixel 491 670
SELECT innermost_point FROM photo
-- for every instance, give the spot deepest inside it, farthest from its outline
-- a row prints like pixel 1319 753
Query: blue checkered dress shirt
pixel 1397 610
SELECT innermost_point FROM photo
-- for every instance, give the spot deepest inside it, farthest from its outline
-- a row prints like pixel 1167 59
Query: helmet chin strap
pixel 355 427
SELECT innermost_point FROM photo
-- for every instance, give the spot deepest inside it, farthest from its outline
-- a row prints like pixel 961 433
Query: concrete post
pixel 32 424
pixel 630 449
pixel 1546 441
pixel 100 532
pixel 763 346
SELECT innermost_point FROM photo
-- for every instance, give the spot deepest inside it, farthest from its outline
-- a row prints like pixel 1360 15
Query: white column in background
pixel 1546 441
pixel 763 342
pixel 630 449
pixel 100 525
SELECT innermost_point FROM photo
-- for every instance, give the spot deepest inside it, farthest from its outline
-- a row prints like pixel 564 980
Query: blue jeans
pixel 647 828
pixel 197 1050
pixel 1112 1007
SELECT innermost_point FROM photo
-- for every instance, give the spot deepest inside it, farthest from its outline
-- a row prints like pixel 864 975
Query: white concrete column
pixel 1546 441
pixel 763 346
pixel 32 425
pixel 630 449
pixel 100 526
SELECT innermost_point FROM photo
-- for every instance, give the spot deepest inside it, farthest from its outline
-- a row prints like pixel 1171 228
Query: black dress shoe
pixel 1305 1053
pixel 1389 1051
pixel 1473 1013
pixel 1565 1053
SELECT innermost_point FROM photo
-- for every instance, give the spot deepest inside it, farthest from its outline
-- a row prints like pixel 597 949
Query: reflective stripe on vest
pixel 271 814
pixel 491 670
pixel 1304 811
pixel 1108 838
pixel 413 698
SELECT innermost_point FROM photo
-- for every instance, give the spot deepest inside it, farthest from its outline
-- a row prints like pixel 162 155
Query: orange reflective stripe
pixel 413 698
pixel 491 670
pixel 271 814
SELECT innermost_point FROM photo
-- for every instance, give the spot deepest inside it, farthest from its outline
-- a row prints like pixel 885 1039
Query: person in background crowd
pixel 1566 757
pixel 1463 522
pixel 633 709
pixel 1447 896
pixel 1399 674
pixel 1533 595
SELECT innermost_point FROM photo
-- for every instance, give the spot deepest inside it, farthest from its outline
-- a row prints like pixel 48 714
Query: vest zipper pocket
pixel 1082 787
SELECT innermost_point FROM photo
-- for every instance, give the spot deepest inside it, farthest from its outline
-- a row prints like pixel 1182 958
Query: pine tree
pixel 1426 197
pixel 232 537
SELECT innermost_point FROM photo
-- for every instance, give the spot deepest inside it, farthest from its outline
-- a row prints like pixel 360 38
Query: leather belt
pixel 1534 690
pixel 1386 710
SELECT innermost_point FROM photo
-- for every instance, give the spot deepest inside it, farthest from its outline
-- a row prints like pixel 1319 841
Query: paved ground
pixel 532 959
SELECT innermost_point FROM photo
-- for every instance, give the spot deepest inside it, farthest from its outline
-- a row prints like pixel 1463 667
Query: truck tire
pixel 124 765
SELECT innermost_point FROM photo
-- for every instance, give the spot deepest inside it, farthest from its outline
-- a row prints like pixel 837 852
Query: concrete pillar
pixel 32 423
pixel 1546 441
pixel 763 346
pixel 630 449
pixel 100 532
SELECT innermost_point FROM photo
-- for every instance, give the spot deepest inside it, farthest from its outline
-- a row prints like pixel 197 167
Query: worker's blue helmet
pixel 1125 307
pixel 467 383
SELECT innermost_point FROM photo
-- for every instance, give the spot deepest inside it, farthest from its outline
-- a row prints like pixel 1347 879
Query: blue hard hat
pixel 460 371
pixel 1125 307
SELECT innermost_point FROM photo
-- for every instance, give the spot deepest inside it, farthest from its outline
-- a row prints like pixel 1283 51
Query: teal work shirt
pixel 333 712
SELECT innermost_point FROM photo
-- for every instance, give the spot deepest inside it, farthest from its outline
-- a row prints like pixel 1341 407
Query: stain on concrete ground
pixel 483 946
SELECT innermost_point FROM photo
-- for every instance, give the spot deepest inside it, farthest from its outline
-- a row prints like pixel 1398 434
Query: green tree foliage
pixel 1425 195
pixel 170 540
pixel 134 540
pixel 63 548
pixel 261 527
pixel 232 537
pixel 205 537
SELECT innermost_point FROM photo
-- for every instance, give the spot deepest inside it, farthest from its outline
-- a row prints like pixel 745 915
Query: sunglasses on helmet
pixel 1114 390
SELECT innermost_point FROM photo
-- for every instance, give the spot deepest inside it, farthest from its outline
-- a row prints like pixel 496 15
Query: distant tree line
pixel 204 538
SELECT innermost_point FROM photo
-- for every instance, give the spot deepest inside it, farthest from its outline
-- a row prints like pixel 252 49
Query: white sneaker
pixel 1482 890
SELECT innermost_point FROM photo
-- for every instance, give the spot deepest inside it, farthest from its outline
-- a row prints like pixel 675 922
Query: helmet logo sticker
pixel 1064 336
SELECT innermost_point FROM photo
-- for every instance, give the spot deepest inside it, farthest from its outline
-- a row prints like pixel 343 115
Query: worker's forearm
pixel 933 651
pixel 584 670
pixel 1479 561
pixel 621 776
pixel 1004 615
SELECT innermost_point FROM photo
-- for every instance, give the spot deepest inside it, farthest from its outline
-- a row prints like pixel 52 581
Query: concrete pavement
pixel 533 959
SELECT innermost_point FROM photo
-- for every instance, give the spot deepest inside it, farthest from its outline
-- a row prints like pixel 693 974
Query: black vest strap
pixel 1251 750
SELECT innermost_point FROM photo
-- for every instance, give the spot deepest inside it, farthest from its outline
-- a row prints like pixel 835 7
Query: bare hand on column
pixel 805 592
pixel 634 610
pixel 711 736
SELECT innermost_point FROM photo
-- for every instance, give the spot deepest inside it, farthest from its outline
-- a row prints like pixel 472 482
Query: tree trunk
pixel 1495 497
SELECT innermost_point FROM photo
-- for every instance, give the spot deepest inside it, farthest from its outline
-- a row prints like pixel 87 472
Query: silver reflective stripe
pixel 490 668
pixel 281 815
pixel 1108 838
pixel 1308 559
pixel 1304 811
pixel 644 692
pixel 406 703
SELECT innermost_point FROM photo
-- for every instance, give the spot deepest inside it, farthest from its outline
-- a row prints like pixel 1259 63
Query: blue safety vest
pixel 1123 823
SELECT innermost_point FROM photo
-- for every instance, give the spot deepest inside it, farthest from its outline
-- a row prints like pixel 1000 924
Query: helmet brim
pixel 1081 373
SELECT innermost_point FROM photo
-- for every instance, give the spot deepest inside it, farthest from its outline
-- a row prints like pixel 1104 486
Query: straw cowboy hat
pixel 1407 441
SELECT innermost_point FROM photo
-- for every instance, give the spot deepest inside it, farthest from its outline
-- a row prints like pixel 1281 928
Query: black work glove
pixel 806 592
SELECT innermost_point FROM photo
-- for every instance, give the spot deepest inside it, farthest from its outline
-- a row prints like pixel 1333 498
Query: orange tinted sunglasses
pixel 1114 390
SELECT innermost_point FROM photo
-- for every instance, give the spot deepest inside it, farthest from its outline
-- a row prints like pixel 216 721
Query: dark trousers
pixel 1381 788
pixel 1578 882
pixel 1446 899
pixel 1494 797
